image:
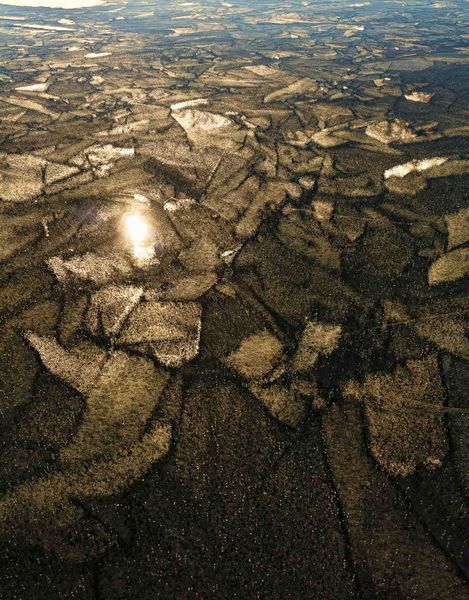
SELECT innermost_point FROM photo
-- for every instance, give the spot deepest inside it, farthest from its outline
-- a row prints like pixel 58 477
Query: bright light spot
pixel 144 253
pixel 137 229
pixel 141 237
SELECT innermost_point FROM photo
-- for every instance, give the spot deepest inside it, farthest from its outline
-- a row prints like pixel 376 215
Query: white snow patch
pixel 35 87
pixel 141 198
pixel 195 121
pixel 97 54
pixel 417 166
pixel 424 97
pixel 97 80
pixel 188 103
pixel 42 27
pixel 181 203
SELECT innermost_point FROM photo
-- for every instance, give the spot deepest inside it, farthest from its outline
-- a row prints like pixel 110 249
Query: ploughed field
pixel 233 300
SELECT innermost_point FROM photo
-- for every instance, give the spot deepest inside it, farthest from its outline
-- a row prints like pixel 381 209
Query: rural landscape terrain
pixel 234 259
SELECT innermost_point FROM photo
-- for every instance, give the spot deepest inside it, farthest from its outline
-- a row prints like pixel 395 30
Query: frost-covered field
pixel 234 237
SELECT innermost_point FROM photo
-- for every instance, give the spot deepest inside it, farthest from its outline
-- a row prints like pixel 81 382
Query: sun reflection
pixel 137 229
pixel 140 236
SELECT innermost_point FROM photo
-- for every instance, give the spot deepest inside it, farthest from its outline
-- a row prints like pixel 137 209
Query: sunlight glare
pixel 137 229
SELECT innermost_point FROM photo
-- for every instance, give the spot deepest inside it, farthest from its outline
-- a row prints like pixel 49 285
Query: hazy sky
pixel 54 3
